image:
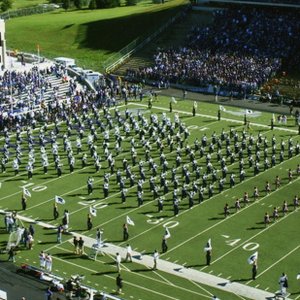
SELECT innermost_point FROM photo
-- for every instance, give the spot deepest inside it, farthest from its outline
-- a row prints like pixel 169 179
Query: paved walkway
pixel 181 271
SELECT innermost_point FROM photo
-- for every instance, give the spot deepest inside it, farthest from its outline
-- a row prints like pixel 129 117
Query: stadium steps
pixel 63 88
pixel 173 37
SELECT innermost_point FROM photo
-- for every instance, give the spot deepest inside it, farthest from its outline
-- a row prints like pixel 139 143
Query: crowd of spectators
pixel 29 97
pixel 239 51
pixel 275 1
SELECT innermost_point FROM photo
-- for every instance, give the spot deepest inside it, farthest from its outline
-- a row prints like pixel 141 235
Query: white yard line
pixel 222 119
pixel 279 260
pixel 137 274
pixel 201 287
pixel 229 217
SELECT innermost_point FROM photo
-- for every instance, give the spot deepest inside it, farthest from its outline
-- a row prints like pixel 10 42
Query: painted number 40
pixel 248 246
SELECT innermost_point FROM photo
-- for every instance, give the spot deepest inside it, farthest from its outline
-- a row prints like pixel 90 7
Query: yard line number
pixel 248 247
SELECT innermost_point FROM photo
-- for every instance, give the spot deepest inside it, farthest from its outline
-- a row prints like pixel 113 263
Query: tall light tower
pixel 2 45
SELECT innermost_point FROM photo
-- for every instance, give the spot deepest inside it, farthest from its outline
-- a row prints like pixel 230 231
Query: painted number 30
pixel 169 224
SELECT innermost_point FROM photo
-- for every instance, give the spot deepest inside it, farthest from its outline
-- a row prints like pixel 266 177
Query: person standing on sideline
pixel 24 202
pixel 89 222
pixel 118 262
pixel 119 282
pixel 164 245
pixel 80 246
pixel 254 270
pixel 208 256
pixel 155 259
pixel 194 108
pixel 49 293
pixel 125 232
pixel 42 260
pixel 48 260
pixel 99 237
pixel 55 211
pixel 283 283
pixel 12 254
pixel 208 252
pixel 76 245
pixel 128 253
pixel 59 234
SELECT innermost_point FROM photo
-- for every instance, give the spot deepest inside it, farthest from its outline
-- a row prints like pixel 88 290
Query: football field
pixel 158 145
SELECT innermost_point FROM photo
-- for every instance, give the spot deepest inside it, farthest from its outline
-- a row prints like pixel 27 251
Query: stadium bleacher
pixel 239 52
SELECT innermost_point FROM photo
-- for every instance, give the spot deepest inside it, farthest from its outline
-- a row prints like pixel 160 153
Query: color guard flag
pixel 26 192
pixel 208 246
pixel 173 100
pixel 253 258
pixel 93 211
pixel 59 200
pixel 298 276
pixel 222 108
pixel 167 233
pixel 129 221
pixel 273 117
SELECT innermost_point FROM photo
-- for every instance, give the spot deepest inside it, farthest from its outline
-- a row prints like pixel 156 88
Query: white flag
pixel 174 100
pixel 249 111
pixel 273 117
pixel 208 246
pixel 252 258
pixel 222 108
pixel 93 211
pixel 167 233
pixel 59 200
pixel 129 221
pixel 298 276
pixel 26 192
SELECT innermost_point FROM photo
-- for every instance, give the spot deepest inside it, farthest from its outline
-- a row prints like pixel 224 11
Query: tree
pixel 6 5
pixel 92 4
pixel 66 4
pixel 107 3
pixel 131 2
pixel 79 4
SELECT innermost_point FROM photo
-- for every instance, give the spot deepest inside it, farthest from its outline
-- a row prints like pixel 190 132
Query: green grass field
pixel 234 238
pixel 88 36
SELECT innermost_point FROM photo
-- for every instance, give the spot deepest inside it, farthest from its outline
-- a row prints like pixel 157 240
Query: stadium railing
pixel 26 12
pixel 124 54
pixel 277 3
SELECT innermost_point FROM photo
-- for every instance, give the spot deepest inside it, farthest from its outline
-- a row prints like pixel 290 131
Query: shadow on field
pixel 255 227
pixel 77 195
pixel 98 34
pixel 114 241
pixel 297 293
pixel 125 207
pixel 195 266
pixel 50 233
pixel 47 243
pixel 240 280
pixel 215 218
pixel 67 255
pixel 44 220
pixel 104 273
pixel 141 270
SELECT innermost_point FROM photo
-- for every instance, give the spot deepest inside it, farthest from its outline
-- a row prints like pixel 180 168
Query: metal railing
pixel 124 54
pixel 26 12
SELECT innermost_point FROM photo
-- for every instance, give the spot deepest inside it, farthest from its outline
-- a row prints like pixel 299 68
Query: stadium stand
pixel 239 52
